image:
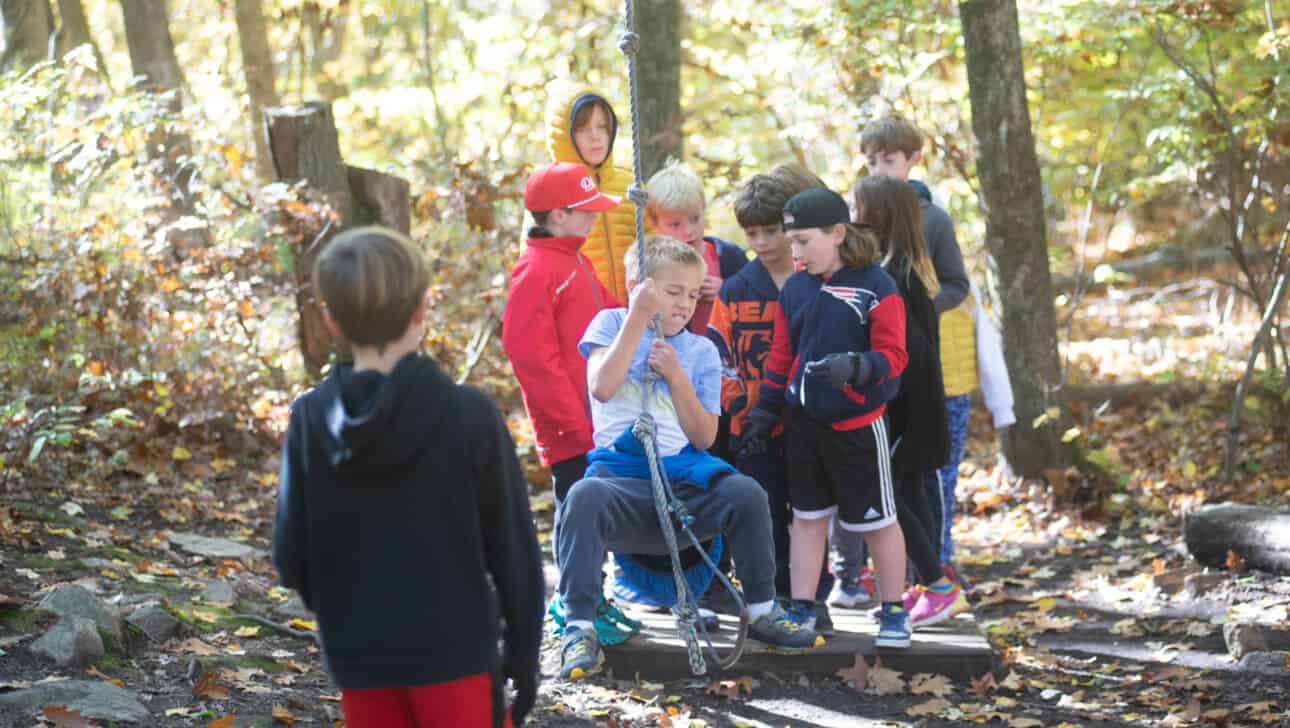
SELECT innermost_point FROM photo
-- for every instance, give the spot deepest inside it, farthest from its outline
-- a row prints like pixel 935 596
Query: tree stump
pixel 381 199
pixel 304 146
pixel 1260 536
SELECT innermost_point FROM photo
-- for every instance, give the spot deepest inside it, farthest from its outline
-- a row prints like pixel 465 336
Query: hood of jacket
pixel 373 423
pixel 564 100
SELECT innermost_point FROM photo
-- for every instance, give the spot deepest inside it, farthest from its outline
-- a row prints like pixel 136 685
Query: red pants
pixel 463 703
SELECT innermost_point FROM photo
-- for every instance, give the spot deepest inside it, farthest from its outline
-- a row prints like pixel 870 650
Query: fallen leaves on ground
pixel 282 715
pixel 61 717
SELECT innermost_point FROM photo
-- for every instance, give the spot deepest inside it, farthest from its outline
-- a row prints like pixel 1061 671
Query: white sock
pixel 578 624
pixel 760 609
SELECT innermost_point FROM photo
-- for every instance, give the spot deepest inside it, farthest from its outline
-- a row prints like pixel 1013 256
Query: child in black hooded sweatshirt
pixel 400 495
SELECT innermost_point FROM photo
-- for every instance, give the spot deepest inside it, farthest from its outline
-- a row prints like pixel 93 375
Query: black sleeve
pixel 947 259
pixel 290 530
pixel 510 541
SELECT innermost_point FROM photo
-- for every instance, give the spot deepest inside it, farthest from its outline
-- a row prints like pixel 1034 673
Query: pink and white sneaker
pixel 934 607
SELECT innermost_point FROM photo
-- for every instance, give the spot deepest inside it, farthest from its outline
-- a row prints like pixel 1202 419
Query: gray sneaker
pixel 581 655
pixel 780 631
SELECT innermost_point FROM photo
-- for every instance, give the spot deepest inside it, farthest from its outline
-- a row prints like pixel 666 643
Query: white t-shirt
pixel 699 359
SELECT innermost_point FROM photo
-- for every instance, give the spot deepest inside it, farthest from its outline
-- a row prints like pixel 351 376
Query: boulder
pixel 154 621
pixel 91 698
pixel 76 601
pixel 1265 663
pixel 219 592
pixel 213 548
pixel 1242 639
pixel 72 642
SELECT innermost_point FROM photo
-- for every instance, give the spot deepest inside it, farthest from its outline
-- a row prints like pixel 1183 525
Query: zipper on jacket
pixel 609 243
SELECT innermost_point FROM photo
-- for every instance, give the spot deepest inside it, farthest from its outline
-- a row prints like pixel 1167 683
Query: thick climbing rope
pixel 666 504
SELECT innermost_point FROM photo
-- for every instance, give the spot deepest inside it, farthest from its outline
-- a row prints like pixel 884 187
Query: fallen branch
pixel 279 628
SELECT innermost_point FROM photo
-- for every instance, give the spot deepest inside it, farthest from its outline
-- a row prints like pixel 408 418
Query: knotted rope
pixel 666 504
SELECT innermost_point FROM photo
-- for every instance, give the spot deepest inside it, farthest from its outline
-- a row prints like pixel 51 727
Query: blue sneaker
pixel 612 626
pixel 580 656
pixel 802 611
pixel 780 632
pixel 893 628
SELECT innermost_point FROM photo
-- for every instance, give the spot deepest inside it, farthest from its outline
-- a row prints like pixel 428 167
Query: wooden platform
pixel 954 648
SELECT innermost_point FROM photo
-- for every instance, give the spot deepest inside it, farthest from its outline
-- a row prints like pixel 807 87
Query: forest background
pixel 148 262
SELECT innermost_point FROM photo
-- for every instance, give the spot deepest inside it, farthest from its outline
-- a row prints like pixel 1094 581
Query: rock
pixel 154 621
pixel 91 698
pixel 219 592
pixel 130 601
pixel 295 607
pixel 1242 639
pixel 1266 663
pixel 1198 585
pixel 72 642
pixel 76 601
pixel 1172 581
pixel 214 548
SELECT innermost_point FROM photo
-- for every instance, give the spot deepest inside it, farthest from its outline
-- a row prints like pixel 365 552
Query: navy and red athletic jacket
pixel 854 310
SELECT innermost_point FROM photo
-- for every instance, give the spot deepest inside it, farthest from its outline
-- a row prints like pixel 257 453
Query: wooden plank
pixel 954 648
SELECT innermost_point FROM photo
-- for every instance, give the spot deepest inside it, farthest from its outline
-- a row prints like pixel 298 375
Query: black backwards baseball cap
pixel 815 208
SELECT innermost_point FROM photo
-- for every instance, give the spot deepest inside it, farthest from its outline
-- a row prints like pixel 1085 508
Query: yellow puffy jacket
pixel 958 349
pixel 614 231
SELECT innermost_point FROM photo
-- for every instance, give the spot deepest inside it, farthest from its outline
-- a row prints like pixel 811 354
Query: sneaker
pixel 954 575
pixel 779 630
pixel 935 607
pixel 849 594
pixel 911 597
pixel 709 619
pixel 893 628
pixel 802 611
pixel 823 621
pixel 581 655
pixel 719 599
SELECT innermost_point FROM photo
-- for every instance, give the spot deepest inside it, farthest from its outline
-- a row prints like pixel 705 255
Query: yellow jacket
pixel 958 349
pixel 614 231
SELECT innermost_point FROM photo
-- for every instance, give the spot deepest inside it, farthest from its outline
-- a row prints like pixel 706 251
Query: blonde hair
pixel 660 250
pixel 371 279
pixel 675 187
pixel 891 133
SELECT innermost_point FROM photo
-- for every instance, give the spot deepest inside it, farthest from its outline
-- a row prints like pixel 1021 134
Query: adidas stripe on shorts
pixel 844 472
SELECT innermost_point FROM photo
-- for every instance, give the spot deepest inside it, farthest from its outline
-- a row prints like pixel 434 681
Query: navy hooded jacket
pixel 400 497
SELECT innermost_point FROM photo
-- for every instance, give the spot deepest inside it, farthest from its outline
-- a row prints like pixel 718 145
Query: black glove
pixel 525 697
pixel 846 367
pixel 756 432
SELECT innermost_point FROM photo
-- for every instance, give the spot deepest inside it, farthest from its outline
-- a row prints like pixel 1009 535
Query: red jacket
pixel 554 293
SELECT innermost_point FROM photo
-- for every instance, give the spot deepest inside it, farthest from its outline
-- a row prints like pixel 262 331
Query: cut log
pixel 1260 536
pixel 303 145
pixel 381 199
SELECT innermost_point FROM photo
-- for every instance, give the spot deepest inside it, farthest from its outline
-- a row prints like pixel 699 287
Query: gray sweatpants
pixel 617 514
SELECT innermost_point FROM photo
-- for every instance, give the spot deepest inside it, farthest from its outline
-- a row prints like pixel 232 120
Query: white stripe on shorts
pixel 884 468
pixel 815 515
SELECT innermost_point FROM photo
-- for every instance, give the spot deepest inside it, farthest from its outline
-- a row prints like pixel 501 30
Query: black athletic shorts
pixel 847 472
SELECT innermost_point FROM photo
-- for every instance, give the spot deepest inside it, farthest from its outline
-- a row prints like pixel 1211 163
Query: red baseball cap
pixel 564 185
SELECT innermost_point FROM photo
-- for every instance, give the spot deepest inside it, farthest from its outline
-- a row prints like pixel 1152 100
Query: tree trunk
pixel 1260 536
pixel 152 52
pixel 28 24
pixel 658 72
pixel 303 145
pixel 257 65
pixel 1016 236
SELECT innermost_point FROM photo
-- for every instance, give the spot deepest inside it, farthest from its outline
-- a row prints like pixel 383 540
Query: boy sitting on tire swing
pixel 613 507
